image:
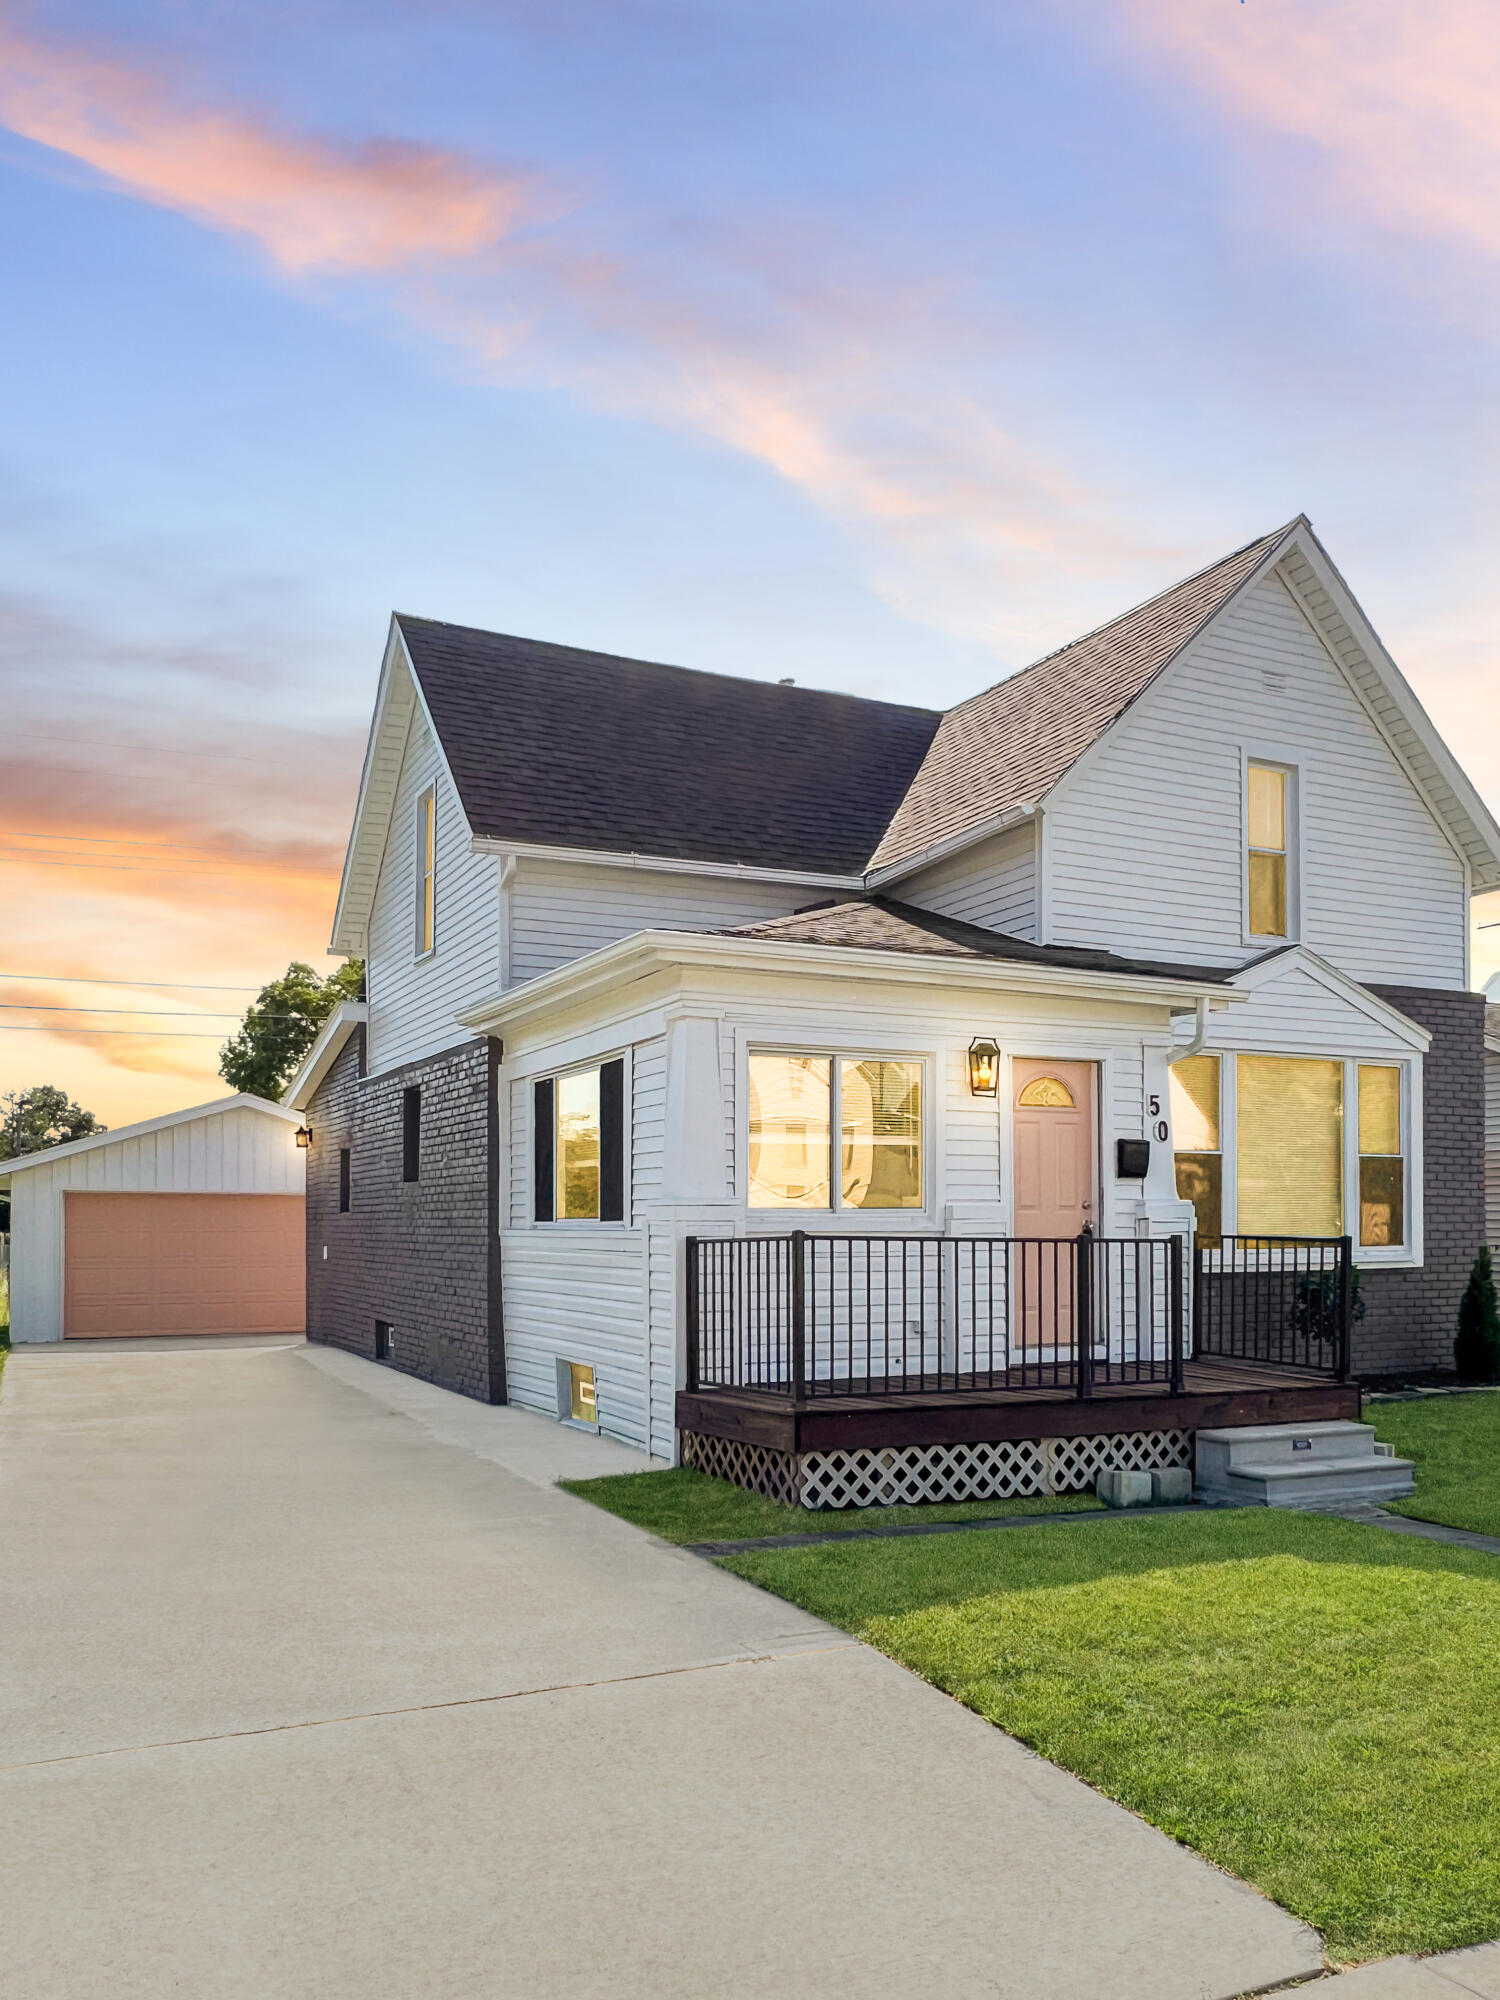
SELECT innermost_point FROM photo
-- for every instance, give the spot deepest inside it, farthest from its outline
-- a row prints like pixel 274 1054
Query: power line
pixel 159 1034
pixel 122 840
pixel 192 756
pixel 155 1013
pixel 93 979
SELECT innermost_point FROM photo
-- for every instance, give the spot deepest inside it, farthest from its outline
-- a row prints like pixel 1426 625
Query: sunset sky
pixel 885 346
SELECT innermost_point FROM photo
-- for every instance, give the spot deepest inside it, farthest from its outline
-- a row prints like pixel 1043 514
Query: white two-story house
pixel 804 1084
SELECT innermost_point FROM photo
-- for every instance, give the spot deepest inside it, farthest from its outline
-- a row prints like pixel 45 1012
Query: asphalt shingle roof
pixel 880 923
pixel 1011 744
pixel 552 745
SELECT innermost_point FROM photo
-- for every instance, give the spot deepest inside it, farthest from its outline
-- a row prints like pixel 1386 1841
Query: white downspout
pixel 1200 1033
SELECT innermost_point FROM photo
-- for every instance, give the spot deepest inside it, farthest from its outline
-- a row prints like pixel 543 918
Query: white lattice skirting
pixel 937 1471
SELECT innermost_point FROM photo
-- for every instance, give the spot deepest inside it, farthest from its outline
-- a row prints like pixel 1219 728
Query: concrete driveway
pixel 312 1684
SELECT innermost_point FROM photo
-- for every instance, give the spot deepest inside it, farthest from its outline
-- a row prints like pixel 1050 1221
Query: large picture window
pixel 1291 1165
pixel 835 1132
pixel 578 1144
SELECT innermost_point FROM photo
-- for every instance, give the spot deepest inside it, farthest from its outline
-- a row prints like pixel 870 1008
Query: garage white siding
pixel 241 1149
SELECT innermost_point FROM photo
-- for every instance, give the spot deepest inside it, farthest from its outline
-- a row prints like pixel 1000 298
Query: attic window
pixel 1268 789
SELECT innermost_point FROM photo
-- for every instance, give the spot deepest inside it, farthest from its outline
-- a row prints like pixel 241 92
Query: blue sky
pixel 878 345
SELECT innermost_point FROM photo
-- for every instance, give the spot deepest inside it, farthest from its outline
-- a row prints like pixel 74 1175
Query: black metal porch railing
pixel 810 1315
pixel 1280 1300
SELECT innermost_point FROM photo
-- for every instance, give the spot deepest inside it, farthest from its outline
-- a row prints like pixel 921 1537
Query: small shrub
pixel 1476 1352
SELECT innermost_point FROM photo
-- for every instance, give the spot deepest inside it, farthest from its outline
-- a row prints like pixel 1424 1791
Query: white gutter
pixel 662 864
pixel 912 864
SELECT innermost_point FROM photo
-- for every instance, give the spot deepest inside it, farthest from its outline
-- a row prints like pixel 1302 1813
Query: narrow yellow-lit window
pixel 1290 1117
pixel 880 1124
pixel 1267 864
pixel 578 1145
pixel 426 871
pixel 1194 1087
pixel 790 1131
pixel 1382 1170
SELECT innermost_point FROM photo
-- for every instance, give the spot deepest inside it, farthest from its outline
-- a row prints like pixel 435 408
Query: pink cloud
pixel 1399 100
pixel 312 205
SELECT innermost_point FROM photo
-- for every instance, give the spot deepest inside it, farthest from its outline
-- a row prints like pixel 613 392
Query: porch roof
pixel 880 923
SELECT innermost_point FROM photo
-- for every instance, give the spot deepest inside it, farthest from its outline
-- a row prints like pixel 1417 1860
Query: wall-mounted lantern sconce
pixel 304 1136
pixel 984 1067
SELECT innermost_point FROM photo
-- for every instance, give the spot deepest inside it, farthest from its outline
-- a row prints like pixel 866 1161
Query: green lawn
pixel 1455 1443
pixel 1313 1704
pixel 687 1506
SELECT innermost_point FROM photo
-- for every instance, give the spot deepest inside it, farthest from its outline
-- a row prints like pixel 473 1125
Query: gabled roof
pixel 558 747
pixel 881 924
pixel 1005 749
pixel 320 1058
pixel 242 1101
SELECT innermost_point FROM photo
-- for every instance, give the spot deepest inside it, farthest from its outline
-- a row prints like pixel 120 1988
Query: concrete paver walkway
pixel 313 1687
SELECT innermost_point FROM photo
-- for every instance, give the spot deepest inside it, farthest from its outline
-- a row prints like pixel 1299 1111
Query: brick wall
pixel 420 1255
pixel 1411 1316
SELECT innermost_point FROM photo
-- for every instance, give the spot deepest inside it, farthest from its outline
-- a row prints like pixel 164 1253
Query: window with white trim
pixel 1292 1167
pixel 1270 849
pixel 426 884
pixel 835 1132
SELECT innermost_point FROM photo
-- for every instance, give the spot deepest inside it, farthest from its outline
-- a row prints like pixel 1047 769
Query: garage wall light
pixel 304 1136
pixel 984 1067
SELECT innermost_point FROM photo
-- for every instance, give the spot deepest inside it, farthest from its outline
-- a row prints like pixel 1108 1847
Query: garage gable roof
pixel 242 1101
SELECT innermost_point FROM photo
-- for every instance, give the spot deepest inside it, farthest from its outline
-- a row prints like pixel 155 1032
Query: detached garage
pixel 190 1224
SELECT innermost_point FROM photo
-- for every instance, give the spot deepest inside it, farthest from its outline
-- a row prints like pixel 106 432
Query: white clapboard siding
pixel 1144 846
pixel 414 1003
pixel 648 1122
pixel 992 883
pixel 559 910
pixel 970 1158
pixel 229 1152
pixel 1298 1015
pixel 577 1292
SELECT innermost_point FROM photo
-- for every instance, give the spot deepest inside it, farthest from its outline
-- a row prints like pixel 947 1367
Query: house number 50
pixel 1160 1130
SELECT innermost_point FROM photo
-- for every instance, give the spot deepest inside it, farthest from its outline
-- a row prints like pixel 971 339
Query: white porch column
pixel 695 1166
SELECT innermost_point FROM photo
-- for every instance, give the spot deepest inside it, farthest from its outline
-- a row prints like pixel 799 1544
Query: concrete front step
pixel 1298 1465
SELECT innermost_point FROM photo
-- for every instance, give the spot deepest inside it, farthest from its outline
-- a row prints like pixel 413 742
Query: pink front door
pixel 1053 1109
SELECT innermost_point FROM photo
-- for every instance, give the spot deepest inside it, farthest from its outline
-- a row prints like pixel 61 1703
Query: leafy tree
pixel 40 1117
pixel 1476 1352
pixel 281 1024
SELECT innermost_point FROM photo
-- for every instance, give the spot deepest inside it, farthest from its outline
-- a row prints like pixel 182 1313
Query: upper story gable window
pixel 426 879
pixel 1270 858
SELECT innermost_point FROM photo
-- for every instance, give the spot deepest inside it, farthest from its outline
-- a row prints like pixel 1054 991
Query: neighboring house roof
pixel 320 1058
pixel 1006 748
pixel 882 924
pixel 243 1101
pixel 553 746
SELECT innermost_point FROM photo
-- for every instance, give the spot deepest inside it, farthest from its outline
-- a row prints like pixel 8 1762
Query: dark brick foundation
pixel 421 1255
pixel 1411 1316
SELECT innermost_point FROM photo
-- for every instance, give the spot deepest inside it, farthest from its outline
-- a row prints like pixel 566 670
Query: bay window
pixel 1263 1146
pixel 834 1132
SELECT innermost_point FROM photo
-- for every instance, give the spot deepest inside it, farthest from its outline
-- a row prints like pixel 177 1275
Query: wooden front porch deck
pixel 1214 1392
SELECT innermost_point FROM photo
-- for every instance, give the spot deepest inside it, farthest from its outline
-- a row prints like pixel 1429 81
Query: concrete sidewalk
pixel 313 1685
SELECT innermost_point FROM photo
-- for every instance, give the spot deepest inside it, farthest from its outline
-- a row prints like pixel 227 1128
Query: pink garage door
pixel 182 1263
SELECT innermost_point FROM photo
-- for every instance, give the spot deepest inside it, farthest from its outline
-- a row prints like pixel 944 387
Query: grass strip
pixel 685 1505
pixel 1312 1704
pixel 1455 1444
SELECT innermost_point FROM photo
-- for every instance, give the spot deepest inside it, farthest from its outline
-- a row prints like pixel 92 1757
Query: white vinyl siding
pixel 992 883
pixel 230 1152
pixel 1145 844
pixel 578 1296
pixel 415 1001
pixel 559 910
